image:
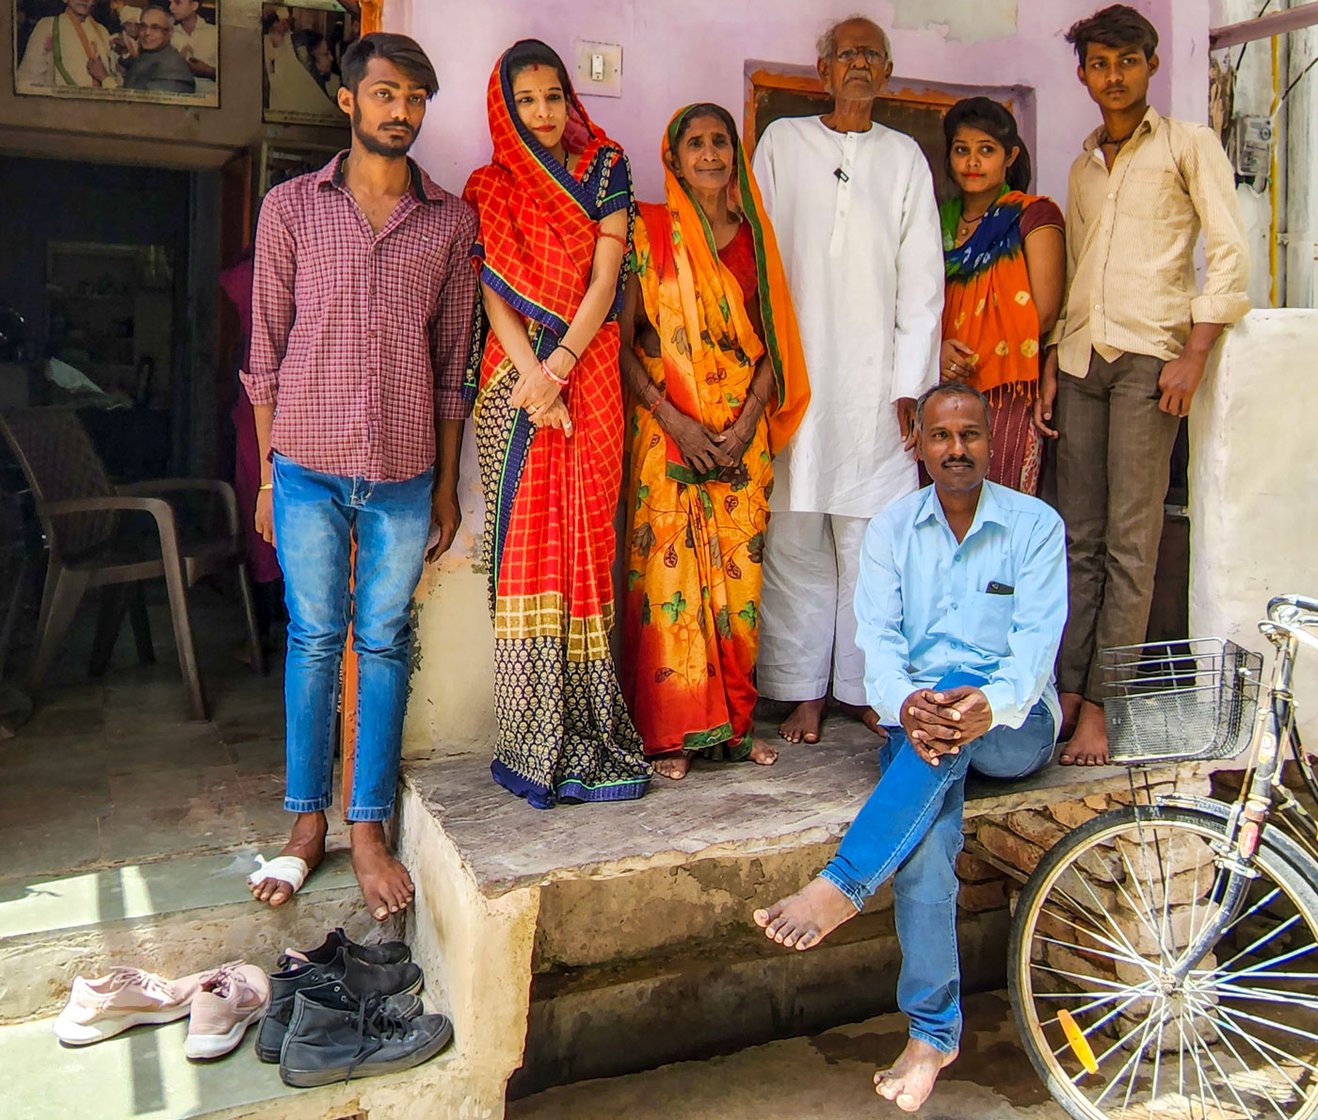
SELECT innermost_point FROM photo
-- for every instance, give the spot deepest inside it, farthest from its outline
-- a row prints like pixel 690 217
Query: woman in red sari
pixel 555 208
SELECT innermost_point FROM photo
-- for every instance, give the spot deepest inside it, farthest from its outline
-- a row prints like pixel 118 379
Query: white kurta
pixel 863 254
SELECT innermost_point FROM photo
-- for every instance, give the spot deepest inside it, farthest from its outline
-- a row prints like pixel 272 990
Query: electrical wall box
pixel 1250 147
pixel 598 68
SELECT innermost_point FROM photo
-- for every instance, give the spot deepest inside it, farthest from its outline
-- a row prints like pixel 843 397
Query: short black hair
pixel 403 51
pixel 1119 25
pixel 987 115
pixel 950 389
pixel 707 109
pixel 532 52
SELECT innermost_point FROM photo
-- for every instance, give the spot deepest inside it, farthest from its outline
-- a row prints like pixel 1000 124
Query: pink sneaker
pixel 232 998
pixel 125 997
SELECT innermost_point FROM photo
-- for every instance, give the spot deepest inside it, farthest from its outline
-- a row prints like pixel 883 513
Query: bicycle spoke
pixel 1262 939
pixel 1248 1070
pixel 1266 1045
pixel 1267 995
pixel 1087 1031
pixel 1254 969
pixel 1090 952
pixel 1244 1112
pixel 1234 1029
pixel 1284 1027
pixel 1092 932
pixel 1114 984
pixel 1147 1027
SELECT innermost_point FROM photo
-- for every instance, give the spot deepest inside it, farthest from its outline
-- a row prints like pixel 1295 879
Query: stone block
pixel 1072 814
pixel 975 898
pixel 1036 825
pixel 971 869
pixel 1007 846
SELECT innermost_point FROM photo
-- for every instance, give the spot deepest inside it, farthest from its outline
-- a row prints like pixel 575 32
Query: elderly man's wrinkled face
pixel 954 441
pixel 153 33
pixel 860 66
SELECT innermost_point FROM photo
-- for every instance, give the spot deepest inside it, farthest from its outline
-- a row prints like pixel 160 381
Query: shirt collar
pixel 989 509
pixel 424 188
pixel 1148 124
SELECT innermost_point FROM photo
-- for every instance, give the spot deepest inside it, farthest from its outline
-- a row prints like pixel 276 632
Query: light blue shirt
pixel 924 605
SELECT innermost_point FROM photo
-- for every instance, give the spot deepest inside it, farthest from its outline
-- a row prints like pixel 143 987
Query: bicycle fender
pixel 1277 839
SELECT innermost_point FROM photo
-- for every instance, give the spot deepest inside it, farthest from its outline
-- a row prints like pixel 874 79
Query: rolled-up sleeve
pixel 879 624
pixel 1036 627
pixel 274 270
pixel 450 333
pixel 1212 186
pixel 919 302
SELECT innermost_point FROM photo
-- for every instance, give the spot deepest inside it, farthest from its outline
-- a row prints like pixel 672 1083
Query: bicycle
pixel 1164 955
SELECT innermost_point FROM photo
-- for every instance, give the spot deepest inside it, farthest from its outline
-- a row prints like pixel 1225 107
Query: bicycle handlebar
pixel 1278 603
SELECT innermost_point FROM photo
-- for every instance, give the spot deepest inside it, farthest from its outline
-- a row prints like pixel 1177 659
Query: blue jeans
pixel 316 517
pixel 910 829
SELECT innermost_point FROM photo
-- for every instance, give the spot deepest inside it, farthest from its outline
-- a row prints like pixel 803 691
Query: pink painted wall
pixel 679 51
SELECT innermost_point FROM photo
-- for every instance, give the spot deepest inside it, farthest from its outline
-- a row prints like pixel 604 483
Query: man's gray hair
pixel 950 389
pixel 827 42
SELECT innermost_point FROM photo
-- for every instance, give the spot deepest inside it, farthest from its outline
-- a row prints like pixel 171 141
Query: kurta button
pixel 954 606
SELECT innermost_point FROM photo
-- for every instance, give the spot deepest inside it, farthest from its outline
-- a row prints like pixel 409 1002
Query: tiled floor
pixel 113 771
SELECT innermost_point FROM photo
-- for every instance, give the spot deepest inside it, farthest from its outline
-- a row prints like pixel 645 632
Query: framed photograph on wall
pixel 284 161
pixel 302 45
pixel 110 50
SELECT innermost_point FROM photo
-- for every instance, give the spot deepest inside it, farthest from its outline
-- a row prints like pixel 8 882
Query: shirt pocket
pixel 989 622
pixel 1152 194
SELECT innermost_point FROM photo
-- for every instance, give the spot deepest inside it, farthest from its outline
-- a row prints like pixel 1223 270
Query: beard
pixel 375 144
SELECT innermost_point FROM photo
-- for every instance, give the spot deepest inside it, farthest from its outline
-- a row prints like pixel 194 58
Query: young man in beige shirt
pixel 1132 345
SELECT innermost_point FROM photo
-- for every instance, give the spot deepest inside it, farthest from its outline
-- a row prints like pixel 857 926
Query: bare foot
pixel 307 842
pixel 866 715
pixel 1088 746
pixel 1070 702
pixel 807 917
pixel 673 765
pixel 802 725
pixel 762 754
pixel 911 1079
pixel 385 883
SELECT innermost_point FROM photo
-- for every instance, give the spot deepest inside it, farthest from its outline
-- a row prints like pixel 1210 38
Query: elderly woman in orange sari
pixel 555 206
pixel 712 360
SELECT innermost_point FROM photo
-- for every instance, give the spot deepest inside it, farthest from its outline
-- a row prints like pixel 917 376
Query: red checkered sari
pixel 564 732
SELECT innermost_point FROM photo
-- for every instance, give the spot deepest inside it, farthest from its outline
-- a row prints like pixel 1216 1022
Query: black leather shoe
pixel 327 1043
pixel 386 952
pixel 356 978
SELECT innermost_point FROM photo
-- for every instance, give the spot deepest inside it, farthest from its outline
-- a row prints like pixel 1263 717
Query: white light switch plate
pixel 598 68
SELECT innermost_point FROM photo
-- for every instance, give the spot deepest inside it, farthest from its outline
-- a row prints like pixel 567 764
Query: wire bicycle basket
pixel 1184 701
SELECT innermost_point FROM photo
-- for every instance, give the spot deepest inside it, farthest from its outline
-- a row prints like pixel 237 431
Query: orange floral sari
pixel 695 543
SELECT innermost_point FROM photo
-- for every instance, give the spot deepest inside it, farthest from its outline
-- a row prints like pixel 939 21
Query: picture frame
pixel 302 46
pixel 280 161
pixel 114 50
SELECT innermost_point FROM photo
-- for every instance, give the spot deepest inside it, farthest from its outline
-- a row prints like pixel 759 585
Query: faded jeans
pixel 911 826
pixel 316 517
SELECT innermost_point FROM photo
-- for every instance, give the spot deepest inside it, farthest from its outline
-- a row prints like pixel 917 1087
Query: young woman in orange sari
pixel 713 363
pixel 1006 268
pixel 555 206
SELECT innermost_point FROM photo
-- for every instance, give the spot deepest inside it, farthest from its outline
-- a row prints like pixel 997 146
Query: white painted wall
pixel 1253 503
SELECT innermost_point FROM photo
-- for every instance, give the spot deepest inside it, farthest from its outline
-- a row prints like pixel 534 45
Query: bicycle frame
pixel 1263 792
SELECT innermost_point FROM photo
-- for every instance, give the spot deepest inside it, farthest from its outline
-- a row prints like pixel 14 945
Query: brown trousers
pixel 1113 461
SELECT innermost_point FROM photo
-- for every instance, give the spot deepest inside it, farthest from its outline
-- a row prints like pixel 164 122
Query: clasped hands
pixel 706 451
pixel 541 397
pixel 942 722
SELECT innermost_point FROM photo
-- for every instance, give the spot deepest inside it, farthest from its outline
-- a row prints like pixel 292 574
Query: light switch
pixel 598 68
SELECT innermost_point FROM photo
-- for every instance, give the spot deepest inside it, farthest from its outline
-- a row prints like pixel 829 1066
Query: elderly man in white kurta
pixel 853 206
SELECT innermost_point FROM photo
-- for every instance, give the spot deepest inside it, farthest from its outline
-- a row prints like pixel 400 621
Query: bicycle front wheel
pixel 1109 1023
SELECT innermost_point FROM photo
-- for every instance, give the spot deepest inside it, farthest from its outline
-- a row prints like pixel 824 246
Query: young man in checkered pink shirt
pixel 363 298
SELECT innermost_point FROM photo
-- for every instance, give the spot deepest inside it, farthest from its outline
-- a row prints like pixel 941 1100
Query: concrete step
pixel 172 917
pixel 142 1074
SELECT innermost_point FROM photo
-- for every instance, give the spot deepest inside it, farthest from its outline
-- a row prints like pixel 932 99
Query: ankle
pixel 368 834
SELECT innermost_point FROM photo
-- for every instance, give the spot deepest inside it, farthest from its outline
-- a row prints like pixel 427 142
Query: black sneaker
pixel 328 1043
pixel 386 952
pixel 357 979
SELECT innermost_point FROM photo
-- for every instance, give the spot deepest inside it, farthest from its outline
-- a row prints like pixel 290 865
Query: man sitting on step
pixel 960 607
